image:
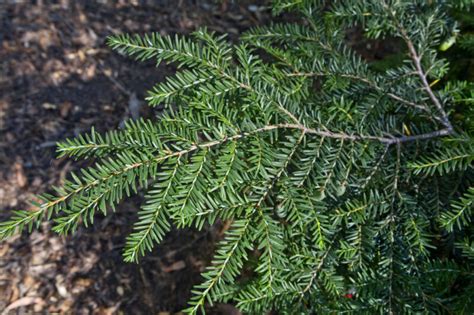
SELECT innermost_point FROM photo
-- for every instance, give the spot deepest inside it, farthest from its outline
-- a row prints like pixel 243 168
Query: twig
pixel 417 62
pixel 315 272
pixel 419 69
pixel 424 136
pixel 375 168
pixel 366 81
pixel 354 137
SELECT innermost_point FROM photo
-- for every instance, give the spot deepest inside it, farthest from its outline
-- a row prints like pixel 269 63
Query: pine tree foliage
pixel 346 186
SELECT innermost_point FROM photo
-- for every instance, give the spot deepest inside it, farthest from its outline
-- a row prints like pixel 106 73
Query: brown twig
pixel 416 58
pixel 369 83
pixel 355 137
pixel 417 62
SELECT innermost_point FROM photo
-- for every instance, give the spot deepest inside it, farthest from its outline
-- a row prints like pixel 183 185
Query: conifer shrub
pixel 349 188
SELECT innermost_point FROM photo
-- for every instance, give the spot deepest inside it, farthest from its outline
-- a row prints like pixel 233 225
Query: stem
pixel 364 80
pixel 315 272
pixel 416 58
pixel 417 62
pixel 354 137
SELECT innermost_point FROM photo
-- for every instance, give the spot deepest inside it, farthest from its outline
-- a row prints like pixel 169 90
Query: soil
pixel 57 79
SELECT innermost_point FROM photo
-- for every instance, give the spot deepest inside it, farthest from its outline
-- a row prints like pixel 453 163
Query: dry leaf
pixel 66 306
pixel 28 282
pixel 4 249
pixel 25 301
pixel 109 310
pixel 15 292
pixel 20 174
pixel 65 108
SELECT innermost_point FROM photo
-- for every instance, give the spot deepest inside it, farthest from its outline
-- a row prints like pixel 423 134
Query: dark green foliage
pixel 349 189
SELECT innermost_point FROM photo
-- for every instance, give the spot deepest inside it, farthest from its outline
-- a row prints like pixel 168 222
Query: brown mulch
pixel 57 79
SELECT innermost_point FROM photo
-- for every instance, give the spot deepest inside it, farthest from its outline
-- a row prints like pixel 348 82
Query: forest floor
pixel 57 80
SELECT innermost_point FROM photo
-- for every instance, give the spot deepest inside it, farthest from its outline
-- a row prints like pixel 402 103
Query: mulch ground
pixel 57 79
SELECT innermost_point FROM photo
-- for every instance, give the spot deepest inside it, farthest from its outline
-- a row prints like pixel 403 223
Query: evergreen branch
pixel 328 173
pixel 467 248
pixel 246 298
pixel 273 181
pixel 437 164
pixel 460 213
pixel 152 224
pixel 69 222
pixel 445 160
pixel 225 266
pixel 417 61
pixel 20 219
pixel 92 178
pixel 189 179
pixel 177 49
pixel 270 240
pixel 225 164
pixel 370 83
pixel 315 272
pixel 344 136
pixel 258 131
pixel 279 106
pixel 375 168
pixel 25 217
pixel 319 231
pixel 281 33
pixel 174 86
pixel 304 175
pixel 226 212
pixel 391 236
pixel 28 218
pixel 419 69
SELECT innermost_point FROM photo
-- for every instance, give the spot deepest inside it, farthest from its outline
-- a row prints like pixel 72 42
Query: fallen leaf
pixel 20 174
pixel 15 292
pixel 25 301
pixel 109 310
pixel 120 290
pixel 4 249
pixel 28 282
pixel 65 108
pixel 66 306
pixel 48 106
pixel 60 287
